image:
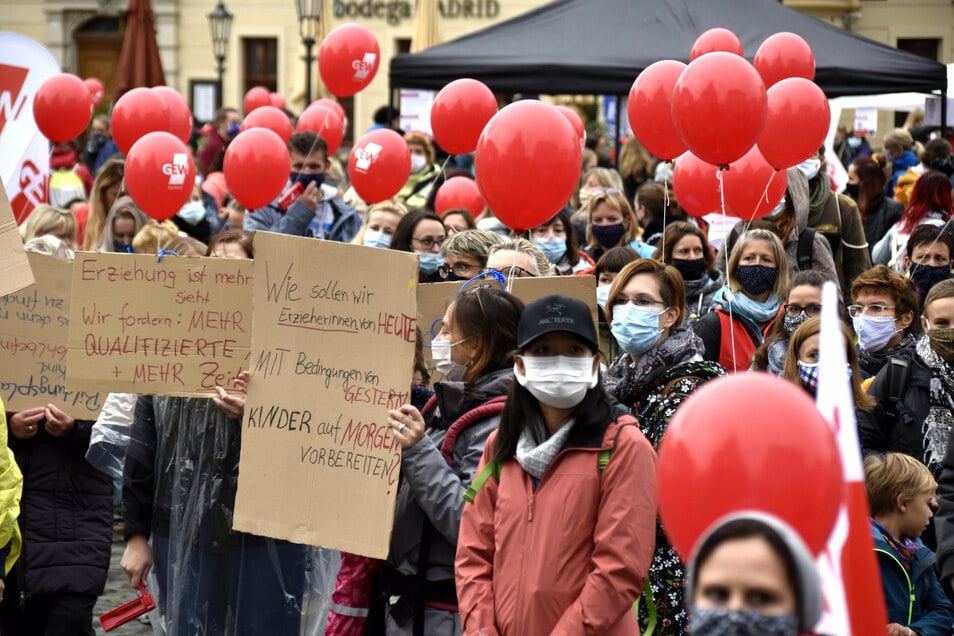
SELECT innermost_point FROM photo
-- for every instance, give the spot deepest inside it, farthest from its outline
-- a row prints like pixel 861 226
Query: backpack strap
pixel 806 248
pixel 491 469
pixel 490 408
pixel 653 613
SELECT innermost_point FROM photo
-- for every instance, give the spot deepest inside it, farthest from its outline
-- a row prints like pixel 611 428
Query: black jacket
pixel 883 214
pixel 65 515
pixel 898 428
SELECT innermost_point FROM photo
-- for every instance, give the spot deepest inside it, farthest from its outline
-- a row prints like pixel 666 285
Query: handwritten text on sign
pixel 176 327
pixel 332 351
pixel 34 328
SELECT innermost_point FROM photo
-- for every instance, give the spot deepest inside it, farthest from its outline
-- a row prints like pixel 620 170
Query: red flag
pixel 851 580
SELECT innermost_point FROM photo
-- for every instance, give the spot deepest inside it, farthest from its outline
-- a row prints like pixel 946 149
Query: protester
pixel 866 183
pixel 458 220
pixel 317 212
pixel 656 207
pixel 593 181
pixel 557 240
pixel 928 257
pixel 661 365
pixel 66 521
pixel 421 231
pixel 518 258
pixel 636 167
pixel 899 149
pixel 883 310
pixel 192 217
pixel 749 303
pixel 100 147
pixel 441 447
pixel 579 559
pixel 612 223
pixel 424 171
pixel 803 302
pixel 930 204
pixel 684 246
pixel 47 220
pixel 465 254
pixel 212 151
pixel 901 499
pixel 379 226
pixel 123 223
pixel 751 573
pixel 935 156
pixel 106 188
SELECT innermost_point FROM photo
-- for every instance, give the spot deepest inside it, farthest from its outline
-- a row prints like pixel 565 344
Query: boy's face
pixel 916 514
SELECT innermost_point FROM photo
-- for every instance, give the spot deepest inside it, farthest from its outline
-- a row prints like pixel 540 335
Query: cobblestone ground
pixel 118 592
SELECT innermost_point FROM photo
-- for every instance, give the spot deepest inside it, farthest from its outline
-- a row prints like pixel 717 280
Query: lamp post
pixel 220 23
pixel 309 12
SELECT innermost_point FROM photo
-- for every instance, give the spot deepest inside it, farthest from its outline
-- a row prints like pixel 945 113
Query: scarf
pixel 872 362
pixel 818 198
pixel 936 427
pixel 750 309
pixel 905 549
pixel 536 456
pixel 777 351
pixel 697 290
pixel 627 379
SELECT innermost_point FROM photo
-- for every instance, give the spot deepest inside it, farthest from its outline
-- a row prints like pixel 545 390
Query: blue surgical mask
pixel 602 295
pixel 234 129
pixel 376 238
pixel 636 329
pixel 429 262
pixel 721 621
pixel 553 248
pixel 305 179
pixel 810 168
pixel 192 212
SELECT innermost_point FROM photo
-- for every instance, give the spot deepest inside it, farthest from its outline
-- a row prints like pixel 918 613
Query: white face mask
pixel 810 167
pixel 602 295
pixel 376 238
pixel 441 355
pixel 558 381
pixel 418 163
pixel 192 212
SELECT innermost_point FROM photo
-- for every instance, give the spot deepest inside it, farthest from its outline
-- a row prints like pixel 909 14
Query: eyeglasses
pixel 428 242
pixel 639 302
pixel 797 310
pixel 462 270
pixel 874 309
pixel 514 271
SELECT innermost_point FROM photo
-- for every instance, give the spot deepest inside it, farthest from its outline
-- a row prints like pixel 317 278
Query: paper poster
pixel 176 327
pixel 15 271
pixel 34 329
pixel 333 338
pixel 866 122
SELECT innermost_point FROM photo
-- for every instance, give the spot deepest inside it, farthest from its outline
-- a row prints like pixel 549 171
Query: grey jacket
pixel 295 220
pixel 432 490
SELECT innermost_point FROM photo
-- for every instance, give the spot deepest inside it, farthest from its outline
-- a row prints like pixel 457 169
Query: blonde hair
pixel 126 208
pixel 390 205
pixel 616 200
pixel 523 245
pixel 166 236
pixel 45 219
pixel 109 175
pixel 894 475
pixel 781 263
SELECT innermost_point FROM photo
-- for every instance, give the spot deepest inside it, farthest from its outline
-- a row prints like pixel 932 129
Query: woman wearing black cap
pixel 561 528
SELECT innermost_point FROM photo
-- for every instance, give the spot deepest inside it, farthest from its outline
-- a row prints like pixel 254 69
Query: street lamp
pixel 309 12
pixel 220 23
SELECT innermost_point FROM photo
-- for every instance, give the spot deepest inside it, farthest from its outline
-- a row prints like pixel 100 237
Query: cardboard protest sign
pixel 34 329
pixel 333 336
pixel 15 271
pixel 176 327
pixel 433 299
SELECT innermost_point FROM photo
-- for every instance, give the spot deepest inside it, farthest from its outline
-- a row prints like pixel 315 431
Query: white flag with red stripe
pixel 851 581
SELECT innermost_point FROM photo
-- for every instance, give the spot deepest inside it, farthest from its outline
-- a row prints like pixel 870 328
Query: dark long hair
pixel 871 182
pixel 595 410
pixel 490 316
pixel 404 231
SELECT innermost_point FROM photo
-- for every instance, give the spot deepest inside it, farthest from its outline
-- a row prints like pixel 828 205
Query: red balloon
pixel 748 441
pixel 256 97
pixel 753 187
pixel 256 167
pixel 348 59
pixel 96 90
pixel 576 121
pixel 527 163
pixel 138 112
pixel 650 109
pixel 336 106
pixel 695 184
pixel 180 117
pixel 159 174
pixel 269 117
pixel 459 192
pixel 325 122
pixel 459 113
pixel 784 55
pixel 276 100
pixel 379 165
pixel 713 40
pixel 718 107
pixel 797 122
pixel 62 107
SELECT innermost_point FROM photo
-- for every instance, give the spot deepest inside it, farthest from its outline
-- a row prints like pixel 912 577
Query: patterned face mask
pixel 725 622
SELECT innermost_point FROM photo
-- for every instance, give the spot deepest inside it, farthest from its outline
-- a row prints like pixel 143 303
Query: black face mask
pixel 693 269
pixel 852 190
pixel 927 276
pixel 119 246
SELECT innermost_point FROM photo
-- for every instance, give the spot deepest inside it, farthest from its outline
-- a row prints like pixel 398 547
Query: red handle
pixel 128 611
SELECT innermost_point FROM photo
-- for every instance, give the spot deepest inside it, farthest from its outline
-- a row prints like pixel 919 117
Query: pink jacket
pixel 570 557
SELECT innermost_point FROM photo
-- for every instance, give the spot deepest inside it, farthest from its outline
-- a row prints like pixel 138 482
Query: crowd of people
pixel 527 500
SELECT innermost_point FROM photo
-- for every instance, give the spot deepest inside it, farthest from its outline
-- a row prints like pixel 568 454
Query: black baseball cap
pixel 556 313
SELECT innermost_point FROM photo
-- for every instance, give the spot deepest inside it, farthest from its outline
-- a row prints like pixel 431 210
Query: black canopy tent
pixel 599 47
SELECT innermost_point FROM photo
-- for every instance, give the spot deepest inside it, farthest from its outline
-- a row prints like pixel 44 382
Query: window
pixel 260 63
pixel 925 47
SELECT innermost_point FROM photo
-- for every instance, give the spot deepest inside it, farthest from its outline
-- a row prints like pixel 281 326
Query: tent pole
pixel 944 110
pixel 619 117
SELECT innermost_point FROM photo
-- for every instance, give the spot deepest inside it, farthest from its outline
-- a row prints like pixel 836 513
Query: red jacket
pixel 570 557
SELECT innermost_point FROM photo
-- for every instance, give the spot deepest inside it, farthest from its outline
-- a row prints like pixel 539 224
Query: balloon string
pixel 665 210
pixel 720 175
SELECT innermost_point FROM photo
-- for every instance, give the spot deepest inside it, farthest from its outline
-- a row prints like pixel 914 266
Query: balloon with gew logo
pixel 379 165
pixel 748 441
pixel 348 59
pixel 527 163
pixel 159 174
